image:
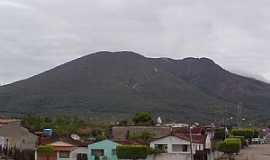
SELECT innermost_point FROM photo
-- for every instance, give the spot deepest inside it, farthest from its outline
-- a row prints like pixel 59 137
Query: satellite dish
pixel 75 137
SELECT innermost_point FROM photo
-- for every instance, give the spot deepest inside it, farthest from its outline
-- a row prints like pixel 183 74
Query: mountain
pixel 114 85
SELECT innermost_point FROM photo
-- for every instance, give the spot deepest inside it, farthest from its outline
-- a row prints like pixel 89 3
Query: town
pixel 142 137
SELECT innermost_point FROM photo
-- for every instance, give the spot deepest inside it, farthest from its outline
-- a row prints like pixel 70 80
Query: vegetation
pixel 143 118
pixel 64 126
pixel 46 150
pixel 230 146
pixel 132 152
pixel 219 134
pixel 248 133
pixel 144 136
pixel 242 138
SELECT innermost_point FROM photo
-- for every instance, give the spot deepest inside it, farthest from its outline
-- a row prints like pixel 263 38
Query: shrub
pixel 132 152
pixel 230 146
pixel 242 138
pixel 248 133
pixel 45 150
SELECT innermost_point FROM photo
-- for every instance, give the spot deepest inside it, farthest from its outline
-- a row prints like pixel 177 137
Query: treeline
pixel 62 126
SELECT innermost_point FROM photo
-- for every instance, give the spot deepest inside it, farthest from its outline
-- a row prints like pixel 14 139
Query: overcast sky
pixel 36 35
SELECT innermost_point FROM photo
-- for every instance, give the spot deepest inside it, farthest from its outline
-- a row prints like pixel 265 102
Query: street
pixel 255 152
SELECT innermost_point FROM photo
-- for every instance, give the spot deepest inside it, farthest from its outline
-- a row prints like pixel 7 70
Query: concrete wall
pixel 169 156
pixel 214 155
pixel 170 140
pixel 80 150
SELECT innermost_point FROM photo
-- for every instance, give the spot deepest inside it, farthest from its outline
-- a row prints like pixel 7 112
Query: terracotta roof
pixel 185 130
pixel 61 144
pixel 200 139
pixel 52 140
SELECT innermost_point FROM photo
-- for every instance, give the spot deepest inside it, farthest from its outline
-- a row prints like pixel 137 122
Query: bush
pixel 45 150
pixel 230 146
pixel 248 133
pixel 242 138
pixel 132 152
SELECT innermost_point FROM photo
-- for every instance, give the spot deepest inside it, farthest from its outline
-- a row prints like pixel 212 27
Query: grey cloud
pixel 36 35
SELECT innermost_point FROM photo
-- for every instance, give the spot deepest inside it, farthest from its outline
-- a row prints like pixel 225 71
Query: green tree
pixel 143 118
pixel 46 150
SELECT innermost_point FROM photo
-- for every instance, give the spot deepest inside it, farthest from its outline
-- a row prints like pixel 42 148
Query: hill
pixel 113 85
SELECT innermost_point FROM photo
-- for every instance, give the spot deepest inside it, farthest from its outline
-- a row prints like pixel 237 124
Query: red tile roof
pixel 200 139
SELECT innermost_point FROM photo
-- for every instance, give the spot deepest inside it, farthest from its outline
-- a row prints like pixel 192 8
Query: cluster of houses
pixel 176 143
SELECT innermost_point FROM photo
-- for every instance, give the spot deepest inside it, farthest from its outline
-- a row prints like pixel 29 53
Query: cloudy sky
pixel 36 35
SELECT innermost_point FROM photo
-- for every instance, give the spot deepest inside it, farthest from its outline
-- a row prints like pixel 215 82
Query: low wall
pixel 214 155
pixel 169 156
pixel 180 156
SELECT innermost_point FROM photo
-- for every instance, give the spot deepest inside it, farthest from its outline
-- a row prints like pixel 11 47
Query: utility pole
pixel 239 114
pixel 190 137
pixel 224 122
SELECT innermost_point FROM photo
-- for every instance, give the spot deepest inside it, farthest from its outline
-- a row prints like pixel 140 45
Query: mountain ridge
pixel 122 83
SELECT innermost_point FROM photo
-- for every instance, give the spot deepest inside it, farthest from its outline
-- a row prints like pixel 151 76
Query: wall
pixel 169 156
pixel 107 146
pixel 175 140
pixel 80 150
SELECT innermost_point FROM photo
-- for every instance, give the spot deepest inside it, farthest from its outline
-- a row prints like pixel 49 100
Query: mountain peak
pixel 115 54
pixel 199 60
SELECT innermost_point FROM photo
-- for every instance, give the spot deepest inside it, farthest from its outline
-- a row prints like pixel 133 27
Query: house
pixel 177 144
pixel 64 151
pixel 12 134
pixel 105 149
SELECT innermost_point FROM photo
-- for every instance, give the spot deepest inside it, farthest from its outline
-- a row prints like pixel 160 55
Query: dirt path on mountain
pixel 255 152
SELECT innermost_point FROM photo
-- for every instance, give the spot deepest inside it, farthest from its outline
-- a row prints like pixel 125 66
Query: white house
pixel 175 144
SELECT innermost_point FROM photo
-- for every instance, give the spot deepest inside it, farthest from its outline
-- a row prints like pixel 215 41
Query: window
pixel 82 156
pixel 162 147
pixel 114 152
pixel 63 154
pixel 185 148
pixel 177 148
pixel 97 152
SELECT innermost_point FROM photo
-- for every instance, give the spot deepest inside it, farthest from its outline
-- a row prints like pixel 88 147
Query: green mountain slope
pixel 117 84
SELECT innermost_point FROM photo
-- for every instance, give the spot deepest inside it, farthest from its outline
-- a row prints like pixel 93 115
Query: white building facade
pixel 173 144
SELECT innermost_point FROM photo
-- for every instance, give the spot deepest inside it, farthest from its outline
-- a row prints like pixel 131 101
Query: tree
pixel 46 150
pixel 145 137
pixel 230 146
pixel 143 118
